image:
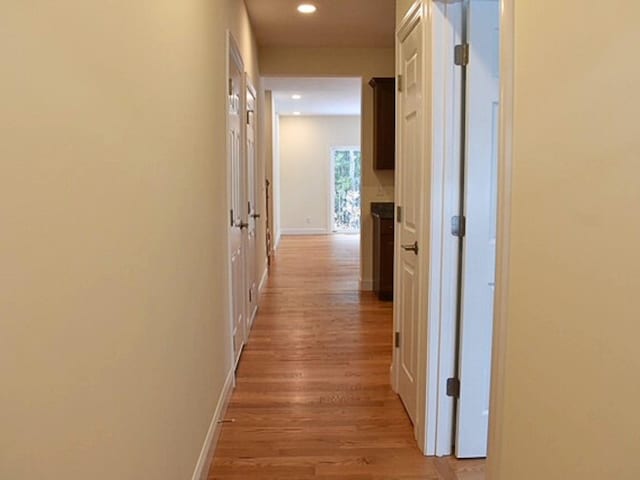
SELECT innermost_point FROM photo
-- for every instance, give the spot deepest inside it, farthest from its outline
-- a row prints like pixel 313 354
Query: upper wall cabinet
pixel 384 123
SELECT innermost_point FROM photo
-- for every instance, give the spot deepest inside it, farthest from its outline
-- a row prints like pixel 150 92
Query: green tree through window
pixel 347 173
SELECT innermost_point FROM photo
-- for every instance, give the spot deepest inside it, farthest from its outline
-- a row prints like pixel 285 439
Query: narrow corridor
pixel 313 399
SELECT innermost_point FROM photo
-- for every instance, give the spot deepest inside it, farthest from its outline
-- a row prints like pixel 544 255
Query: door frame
pixel 444 261
pixel 505 173
pixel 248 88
pixel 434 346
pixel 442 345
pixel 233 54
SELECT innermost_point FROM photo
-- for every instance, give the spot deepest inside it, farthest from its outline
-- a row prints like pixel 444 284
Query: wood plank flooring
pixel 313 399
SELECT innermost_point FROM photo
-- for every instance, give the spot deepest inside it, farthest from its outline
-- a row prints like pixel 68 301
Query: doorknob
pixel 411 248
pixel 255 215
pixel 243 225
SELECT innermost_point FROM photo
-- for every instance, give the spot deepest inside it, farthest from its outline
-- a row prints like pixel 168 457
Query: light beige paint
pixel 402 7
pixel 569 408
pixel 377 185
pixel 267 151
pixel 305 168
pixel 337 23
pixel 113 288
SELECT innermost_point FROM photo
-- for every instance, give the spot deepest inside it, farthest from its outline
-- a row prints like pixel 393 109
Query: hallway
pixel 313 398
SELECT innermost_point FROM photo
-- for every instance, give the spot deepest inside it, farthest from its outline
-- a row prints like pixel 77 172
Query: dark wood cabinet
pixel 383 252
pixel 384 123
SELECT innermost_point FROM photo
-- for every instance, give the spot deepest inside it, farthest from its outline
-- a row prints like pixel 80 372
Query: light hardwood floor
pixel 313 399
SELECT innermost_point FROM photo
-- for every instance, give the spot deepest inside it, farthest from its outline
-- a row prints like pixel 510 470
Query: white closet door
pixel 479 258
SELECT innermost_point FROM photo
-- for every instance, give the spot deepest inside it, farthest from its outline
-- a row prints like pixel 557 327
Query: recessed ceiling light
pixel 307 8
pixel 296 96
pixel 296 113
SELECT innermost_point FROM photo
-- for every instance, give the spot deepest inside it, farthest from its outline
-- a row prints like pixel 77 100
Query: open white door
pixel 479 258
pixel 253 215
pixel 237 195
pixel 409 199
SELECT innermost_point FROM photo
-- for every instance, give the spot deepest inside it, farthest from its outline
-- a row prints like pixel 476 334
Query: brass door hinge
pixel 461 55
pixel 453 387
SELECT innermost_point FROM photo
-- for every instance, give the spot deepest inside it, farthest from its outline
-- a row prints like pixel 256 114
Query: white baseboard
pixel 366 285
pixel 254 314
pixel 211 440
pixel 304 231
pixel 263 280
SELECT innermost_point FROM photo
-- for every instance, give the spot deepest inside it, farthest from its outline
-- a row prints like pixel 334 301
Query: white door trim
pixel 505 170
pixel 251 312
pixel 444 254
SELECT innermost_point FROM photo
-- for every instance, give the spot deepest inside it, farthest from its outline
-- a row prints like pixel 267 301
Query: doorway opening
pixel 446 250
pixel 317 168
pixel 346 175
pixel 464 234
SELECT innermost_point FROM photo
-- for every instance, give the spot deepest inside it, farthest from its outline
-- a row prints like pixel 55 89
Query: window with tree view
pixel 347 173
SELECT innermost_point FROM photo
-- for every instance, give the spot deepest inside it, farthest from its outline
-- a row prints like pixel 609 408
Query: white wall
pixel 571 387
pixel 114 325
pixel 305 168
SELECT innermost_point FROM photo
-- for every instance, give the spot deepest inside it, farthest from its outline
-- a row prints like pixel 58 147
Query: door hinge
pixel 453 387
pixel 250 297
pixel 461 55
pixel 230 86
pixel 396 340
pixel 399 214
pixel 458 226
pixel 399 83
pixel 231 217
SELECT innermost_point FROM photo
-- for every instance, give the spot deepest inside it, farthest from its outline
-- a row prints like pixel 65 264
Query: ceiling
pixel 337 23
pixel 319 96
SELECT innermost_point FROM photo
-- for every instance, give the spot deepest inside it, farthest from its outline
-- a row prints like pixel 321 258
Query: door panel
pixel 478 271
pixel 237 201
pixel 252 270
pixel 410 198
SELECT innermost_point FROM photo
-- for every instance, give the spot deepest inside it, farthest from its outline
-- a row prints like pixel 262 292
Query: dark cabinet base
pixel 383 253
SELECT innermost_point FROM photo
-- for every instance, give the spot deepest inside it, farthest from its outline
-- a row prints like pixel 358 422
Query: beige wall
pixel 571 381
pixel 113 313
pixel 267 152
pixel 305 168
pixel 348 62
pixel 276 178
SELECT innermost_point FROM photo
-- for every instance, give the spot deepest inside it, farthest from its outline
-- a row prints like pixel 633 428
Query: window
pixel 347 173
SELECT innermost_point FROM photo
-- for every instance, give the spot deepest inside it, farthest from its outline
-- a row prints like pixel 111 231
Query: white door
pixel 479 258
pixel 253 215
pixel 410 199
pixel 237 198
